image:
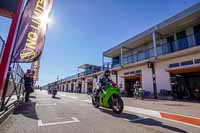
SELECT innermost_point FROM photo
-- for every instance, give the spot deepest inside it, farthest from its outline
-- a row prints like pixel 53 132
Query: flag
pixel 32 29
pixel 35 66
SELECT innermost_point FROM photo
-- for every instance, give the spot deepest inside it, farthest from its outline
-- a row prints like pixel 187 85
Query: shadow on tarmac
pixel 57 98
pixel 28 110
pixel 144 121
pixel 33 97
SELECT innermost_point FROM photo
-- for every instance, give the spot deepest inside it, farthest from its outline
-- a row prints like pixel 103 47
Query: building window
pixel 197 34
pixel 141 56
pixel 134 58
pixel 182 41
pixel 138 71
pixel 132 72
pixel 186 63
pixel 116 60
pixel 174 65
pixel 170 42
pixel 129 59
pixel 125 61
pixel 126 73
pixel 197 61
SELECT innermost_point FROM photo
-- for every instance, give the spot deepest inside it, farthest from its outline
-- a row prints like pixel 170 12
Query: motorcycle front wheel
pixel 117 104
pixel 95 102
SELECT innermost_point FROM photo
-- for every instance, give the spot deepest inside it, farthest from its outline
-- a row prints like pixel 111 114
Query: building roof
pixel 86 66
pixel 179 20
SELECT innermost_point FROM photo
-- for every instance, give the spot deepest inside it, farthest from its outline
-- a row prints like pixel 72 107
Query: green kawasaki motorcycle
pixel 109 98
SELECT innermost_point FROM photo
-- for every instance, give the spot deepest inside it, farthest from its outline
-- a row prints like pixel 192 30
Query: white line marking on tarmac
pixel 72 97
pixel 143 111
pixel 87 101
pixel 41 99
pixel 46 104
pixel 41 124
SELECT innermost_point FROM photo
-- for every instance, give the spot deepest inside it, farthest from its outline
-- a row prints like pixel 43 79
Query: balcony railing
pixel 162 49
pixel 177 45
pixel 143 55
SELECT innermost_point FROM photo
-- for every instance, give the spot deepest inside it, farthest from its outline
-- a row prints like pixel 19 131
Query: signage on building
pixel 133 72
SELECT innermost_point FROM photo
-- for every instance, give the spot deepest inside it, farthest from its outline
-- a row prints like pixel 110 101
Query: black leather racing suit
pixel 103 81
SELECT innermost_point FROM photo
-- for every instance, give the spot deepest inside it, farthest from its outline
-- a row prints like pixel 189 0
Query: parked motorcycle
pixel 109 98
pixel 139 93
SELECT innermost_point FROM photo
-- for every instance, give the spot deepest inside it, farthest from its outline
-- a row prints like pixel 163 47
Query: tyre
pixel 117 104
pixel 95 102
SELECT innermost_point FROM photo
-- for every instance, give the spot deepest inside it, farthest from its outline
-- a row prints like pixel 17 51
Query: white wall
pixel 147 82
pixel 162 76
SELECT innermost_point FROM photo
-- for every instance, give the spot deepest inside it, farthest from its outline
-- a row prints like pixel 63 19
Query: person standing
pixel 138 92
pixel 28 84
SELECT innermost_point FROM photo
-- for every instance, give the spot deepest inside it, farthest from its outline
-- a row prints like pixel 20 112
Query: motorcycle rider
pixel 103 81
pixel 54 89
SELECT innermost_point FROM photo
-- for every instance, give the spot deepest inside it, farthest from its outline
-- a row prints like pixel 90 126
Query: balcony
pixel 162 49
pixel 178 45
pixel 143 55
pixel 110 65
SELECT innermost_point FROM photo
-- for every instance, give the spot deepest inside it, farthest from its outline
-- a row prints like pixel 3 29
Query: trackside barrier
pixel 14 87
pixel 2 44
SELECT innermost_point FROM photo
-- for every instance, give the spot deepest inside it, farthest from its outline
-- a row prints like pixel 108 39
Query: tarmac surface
pixel 73 113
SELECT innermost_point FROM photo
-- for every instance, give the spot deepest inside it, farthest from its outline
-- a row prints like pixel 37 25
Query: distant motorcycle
pixel 54 92
pixel 49 91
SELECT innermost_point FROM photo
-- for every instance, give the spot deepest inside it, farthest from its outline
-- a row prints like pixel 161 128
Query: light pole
pixel 57 82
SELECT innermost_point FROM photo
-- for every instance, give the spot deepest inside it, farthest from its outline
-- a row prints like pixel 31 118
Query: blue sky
pixel 82 29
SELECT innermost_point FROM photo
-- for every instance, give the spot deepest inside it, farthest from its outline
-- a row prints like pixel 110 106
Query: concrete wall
pixel 162 76
pixel 83 90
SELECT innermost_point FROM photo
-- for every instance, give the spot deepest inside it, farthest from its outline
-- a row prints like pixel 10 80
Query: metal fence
pixel 2 44
pixel 14 87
